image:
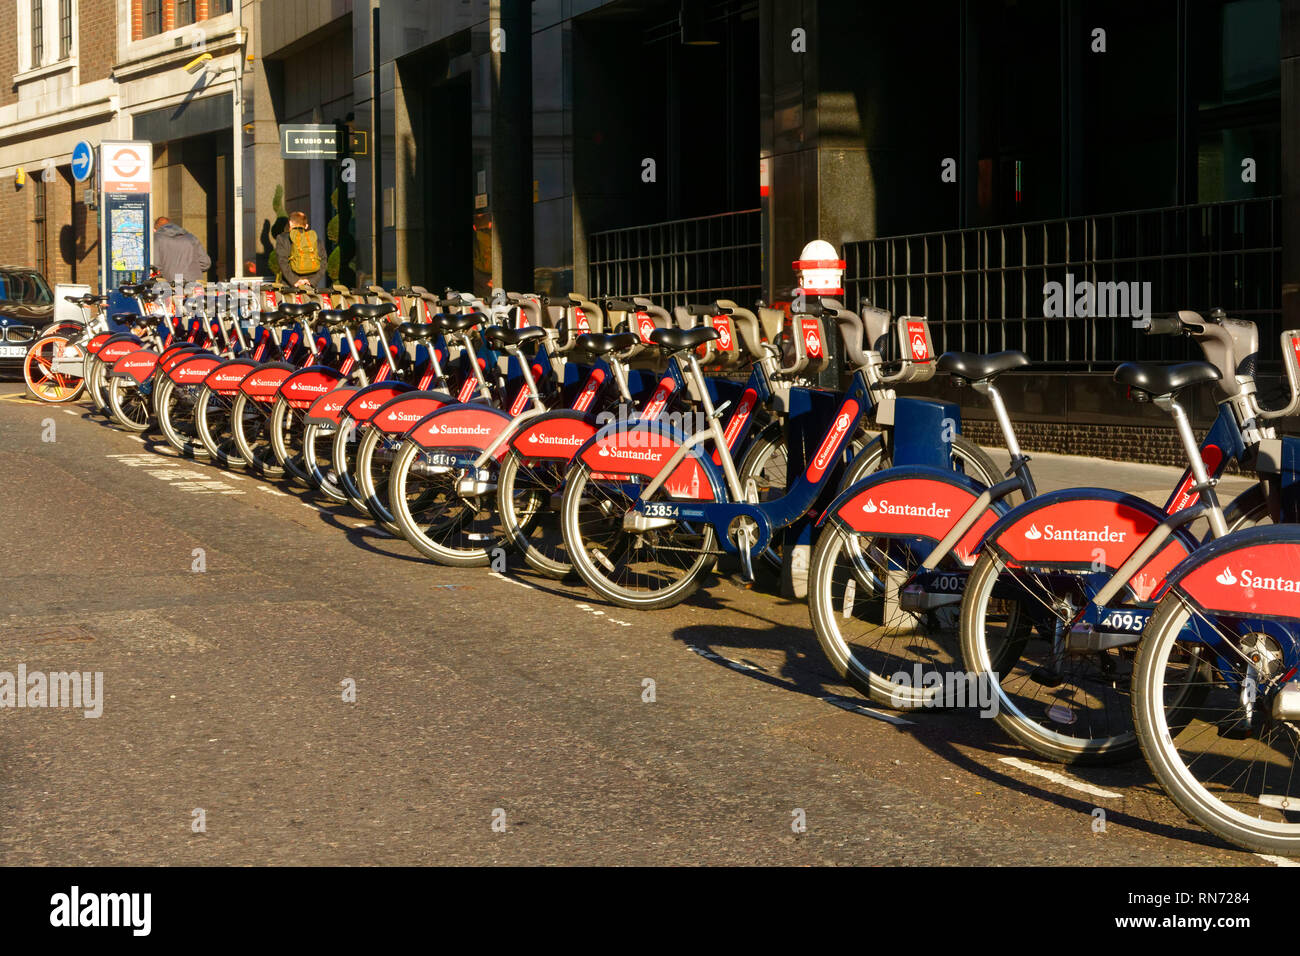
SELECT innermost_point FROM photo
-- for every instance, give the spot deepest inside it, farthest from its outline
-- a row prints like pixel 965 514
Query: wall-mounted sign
pixel 309 141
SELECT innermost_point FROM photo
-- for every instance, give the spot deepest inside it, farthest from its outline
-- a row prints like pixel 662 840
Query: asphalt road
pixel 480 700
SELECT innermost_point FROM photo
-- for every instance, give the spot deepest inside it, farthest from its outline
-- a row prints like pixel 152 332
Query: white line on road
pixel 1277 860
pixel 1060 778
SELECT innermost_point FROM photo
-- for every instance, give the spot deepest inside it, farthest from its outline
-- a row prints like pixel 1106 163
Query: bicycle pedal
pixel 1046 677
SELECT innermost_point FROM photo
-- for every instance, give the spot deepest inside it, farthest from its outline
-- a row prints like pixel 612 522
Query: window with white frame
pixel 38 32
pixel 47 32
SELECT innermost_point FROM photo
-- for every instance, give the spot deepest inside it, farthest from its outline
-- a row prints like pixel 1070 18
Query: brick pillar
pixel 201 11
pixel 168 15
pixel 137 19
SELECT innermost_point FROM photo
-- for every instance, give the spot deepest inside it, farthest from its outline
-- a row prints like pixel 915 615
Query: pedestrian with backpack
pixel 299 254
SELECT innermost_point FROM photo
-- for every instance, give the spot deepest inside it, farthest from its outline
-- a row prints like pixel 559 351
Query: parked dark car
pixel 26 307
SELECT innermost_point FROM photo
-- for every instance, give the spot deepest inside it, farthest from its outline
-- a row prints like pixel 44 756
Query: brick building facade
pixel 113 69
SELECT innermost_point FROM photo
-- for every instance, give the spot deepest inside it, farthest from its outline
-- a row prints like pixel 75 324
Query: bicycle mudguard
pixel 226 377
pixel 915 501
pixel 263 383
pixel 194 368
pixel 173 349
pixel 172 357
pixel 397 416
pixel 1088 529
pixel 117 346
pixel 555 435
pixel 137 366
pixel 1252 573
pixel 461 426
pixel 301 388
pixel 325 411
pixel 97 342
pixel 620 452
pixel 363 402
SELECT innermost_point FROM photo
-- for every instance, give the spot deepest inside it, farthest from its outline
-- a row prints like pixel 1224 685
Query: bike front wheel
pixel 44 382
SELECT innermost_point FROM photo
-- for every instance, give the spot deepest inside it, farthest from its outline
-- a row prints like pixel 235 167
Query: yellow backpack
pixel 304 259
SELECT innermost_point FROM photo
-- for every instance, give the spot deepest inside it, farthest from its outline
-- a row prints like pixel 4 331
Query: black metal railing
pixel 679 262
pixel 987 288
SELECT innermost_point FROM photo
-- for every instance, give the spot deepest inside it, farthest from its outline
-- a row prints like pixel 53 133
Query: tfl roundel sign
pixel 127 167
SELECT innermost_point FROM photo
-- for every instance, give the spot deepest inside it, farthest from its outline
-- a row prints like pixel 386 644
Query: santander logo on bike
pixel 625 454
pixel 724 332
pixel 905 511
pixel 1249 581
pixel 832 440
pixel 545 439
pixel 1052 533
pixel 435 429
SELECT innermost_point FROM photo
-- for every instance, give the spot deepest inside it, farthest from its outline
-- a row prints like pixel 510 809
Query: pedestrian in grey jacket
pixel 178 253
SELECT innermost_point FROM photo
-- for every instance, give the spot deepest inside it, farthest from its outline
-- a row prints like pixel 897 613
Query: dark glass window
pixel 24 287
pixel 65 29
pixel 38 221
pixel 38 32
pixel 184 12
pixel 152 17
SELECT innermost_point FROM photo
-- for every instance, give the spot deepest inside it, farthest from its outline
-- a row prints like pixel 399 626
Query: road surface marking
pixel 1277 860
pixel 1060 778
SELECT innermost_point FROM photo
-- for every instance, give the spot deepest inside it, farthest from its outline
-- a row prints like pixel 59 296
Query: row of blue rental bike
pixel 588 439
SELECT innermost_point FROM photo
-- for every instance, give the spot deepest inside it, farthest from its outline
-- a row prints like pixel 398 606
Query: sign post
pixel 126 176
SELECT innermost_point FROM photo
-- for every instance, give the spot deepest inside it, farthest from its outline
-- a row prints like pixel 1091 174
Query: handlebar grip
pixel 1164 325
pixel 620 305
pixel 701 310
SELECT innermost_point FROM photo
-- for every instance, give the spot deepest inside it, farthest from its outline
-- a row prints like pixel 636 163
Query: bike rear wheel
pixel 528 496
pixel 286 433
pixel 374 469
pixel 251 424
pixel 1225 759
pixel 318 461
pixel 128 400
pixel 1068 705
pixel 95 377
pixel 175 406
pixel 901 653
pixel 214 425
pixel 437 514
pixel 648 570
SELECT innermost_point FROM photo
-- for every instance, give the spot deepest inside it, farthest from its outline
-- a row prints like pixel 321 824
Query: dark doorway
pixel 444 170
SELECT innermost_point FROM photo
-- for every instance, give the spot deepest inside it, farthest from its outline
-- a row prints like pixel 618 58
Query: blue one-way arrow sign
pixel 83 161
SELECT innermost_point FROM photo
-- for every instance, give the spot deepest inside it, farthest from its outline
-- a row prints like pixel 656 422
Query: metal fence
pixel 679 262
pixel 990 288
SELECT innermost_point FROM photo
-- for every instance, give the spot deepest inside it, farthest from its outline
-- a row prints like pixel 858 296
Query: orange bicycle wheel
pixel 44 382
